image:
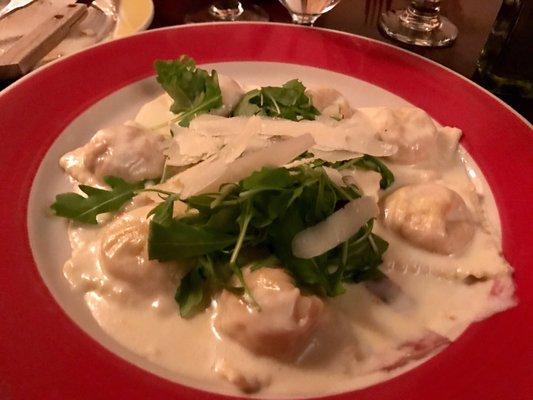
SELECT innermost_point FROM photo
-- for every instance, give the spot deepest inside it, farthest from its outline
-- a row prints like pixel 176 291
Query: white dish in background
pixel 106 20
pixel 133 16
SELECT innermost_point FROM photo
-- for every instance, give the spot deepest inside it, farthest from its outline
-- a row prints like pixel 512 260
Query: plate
pixel 105 20
pixel 45 352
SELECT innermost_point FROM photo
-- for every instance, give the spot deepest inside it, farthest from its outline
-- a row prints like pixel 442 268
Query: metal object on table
pixel 14 5
pixel 27 51
pixel 306 12
pixel 420 24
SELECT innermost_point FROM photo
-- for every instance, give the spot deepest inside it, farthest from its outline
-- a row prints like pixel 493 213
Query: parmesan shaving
pixel 335 229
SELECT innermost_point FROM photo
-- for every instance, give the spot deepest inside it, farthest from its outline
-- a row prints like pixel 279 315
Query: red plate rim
pixel 45 355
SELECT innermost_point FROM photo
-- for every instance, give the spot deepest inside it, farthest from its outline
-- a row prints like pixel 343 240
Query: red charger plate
pixel 44 355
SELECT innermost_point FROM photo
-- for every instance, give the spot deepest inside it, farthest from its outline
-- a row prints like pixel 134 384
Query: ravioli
pixel 127 151
pixel 481 259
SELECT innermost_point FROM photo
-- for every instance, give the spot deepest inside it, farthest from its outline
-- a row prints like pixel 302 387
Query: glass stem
pixel 422 15
pixel 226 10
pixel 304 19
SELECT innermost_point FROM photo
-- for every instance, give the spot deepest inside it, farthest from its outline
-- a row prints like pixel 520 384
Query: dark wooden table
pixel 474 18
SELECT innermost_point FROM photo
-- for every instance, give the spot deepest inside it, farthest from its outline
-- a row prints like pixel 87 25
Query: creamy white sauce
pixel 369 334
pixel 349 358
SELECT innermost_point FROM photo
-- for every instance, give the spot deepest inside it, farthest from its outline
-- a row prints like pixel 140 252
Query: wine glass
pixel 227 10
pixel 419 24
pixel 306 12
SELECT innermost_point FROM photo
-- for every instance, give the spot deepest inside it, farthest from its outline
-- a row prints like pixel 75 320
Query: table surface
pixel 474 19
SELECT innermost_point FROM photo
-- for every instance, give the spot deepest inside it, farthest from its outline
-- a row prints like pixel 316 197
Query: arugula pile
pixel 194 90
pixel 288 101
pixel 254 220
pixel 262 212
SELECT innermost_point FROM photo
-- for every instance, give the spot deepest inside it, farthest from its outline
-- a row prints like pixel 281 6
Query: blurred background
pixel 493 45
pixel 505 67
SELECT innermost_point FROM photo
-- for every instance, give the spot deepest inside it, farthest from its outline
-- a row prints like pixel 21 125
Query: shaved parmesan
pixel 231 95
pixel 197 178
pixel 334 176
pixel 218 126
pixel 448 143
pixel 354 135
pixel 335 229
pixel 367 181
pixel 210 174
pixel 190 147
pixel 276 155
pixel 240 143
pixel 335 155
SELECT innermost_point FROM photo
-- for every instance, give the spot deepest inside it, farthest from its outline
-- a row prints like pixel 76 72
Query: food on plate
pixel 411 129
pixel 277 240
pixel 330 103
pixel 283 325
pixel 130 152
pixel 430 216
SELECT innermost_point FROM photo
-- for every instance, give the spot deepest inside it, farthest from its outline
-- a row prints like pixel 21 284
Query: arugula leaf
pixel 194 292
pixel 163 211
pixel 267 179
pixel 369 163
pixel 223 220
pixel 362 257
pixel 288 101
pixel 191 294
pixel 178 241
pixel 373 164
pixel 305 272
pixel 247 106
pixel 86 208
pixel 194 90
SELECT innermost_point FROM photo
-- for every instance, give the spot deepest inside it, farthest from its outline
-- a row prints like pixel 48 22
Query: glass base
pixel 304 19
pixel 393 25
pixel 212 14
